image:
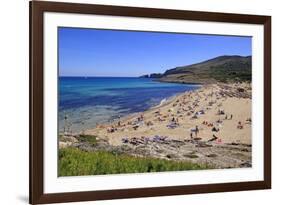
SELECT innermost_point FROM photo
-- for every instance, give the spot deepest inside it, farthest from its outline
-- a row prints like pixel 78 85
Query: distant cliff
pixel 219 69
pixel 153 75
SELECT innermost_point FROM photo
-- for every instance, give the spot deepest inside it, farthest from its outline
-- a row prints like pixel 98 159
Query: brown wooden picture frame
pixel 37 9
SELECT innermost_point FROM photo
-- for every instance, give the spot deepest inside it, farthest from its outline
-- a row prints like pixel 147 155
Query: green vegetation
pixel 232 71
pixel 219 69
pixel 74 162
pixel 91 139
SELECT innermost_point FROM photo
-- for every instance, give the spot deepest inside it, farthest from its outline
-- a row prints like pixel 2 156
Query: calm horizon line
pixel 79 76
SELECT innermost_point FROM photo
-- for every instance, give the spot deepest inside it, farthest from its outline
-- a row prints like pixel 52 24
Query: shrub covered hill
pixel 220 69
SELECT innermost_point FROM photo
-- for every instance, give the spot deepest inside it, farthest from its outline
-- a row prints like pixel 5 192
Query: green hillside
pixel 219 69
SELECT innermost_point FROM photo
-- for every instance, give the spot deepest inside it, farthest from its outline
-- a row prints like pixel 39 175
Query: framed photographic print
pixel 139 102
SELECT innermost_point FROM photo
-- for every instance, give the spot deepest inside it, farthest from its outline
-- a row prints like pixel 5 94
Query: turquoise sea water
pixel 90 100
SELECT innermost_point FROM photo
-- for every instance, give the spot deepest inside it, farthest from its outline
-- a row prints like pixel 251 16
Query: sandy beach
pixel 153 107
pixel 210 125
pixel 221 111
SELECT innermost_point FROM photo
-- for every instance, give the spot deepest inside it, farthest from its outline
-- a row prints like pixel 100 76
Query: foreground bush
pixel 74 162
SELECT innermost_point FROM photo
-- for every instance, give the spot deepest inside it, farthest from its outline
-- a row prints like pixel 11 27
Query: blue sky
pixel 92 52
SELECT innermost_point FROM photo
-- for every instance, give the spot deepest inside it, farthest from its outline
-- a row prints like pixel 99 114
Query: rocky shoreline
pixel 215 155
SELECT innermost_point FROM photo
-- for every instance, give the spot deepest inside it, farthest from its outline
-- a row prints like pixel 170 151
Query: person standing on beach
pixel 196 130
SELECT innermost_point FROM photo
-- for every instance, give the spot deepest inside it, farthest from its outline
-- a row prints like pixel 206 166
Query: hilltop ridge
pixel 226 68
